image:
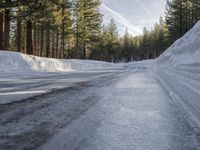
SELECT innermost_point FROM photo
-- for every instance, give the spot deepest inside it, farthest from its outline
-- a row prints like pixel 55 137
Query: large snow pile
pixel 185 51
pixel 178 70
pixel 14 61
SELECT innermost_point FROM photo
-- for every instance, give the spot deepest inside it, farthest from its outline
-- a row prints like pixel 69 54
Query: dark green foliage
pixel 181 15
pixel 58 23
pixel 87 25
pixel 113 48
pixel 107 48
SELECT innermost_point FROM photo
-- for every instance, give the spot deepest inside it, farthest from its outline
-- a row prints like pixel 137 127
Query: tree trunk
pixel 47 42
pixel 146 55
pixel 69 49
pixel 42 40
pixel 23 44
pixel 6 29
pixel 34 39
pixel 29 42
pixel 53 44
pixel 1 30
pixel 38 42
pixel 181 19
pixel 57 40
pixel 77 46
pixel 84 51
pixel 193 15
pixel 19 28
pixel 63 39
pixel 77 41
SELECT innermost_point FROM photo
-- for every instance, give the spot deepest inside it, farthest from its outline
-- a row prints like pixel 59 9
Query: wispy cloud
pixel 143 6
pixel 120 19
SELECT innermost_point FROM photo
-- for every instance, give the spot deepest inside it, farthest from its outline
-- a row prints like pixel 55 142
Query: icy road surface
pixel 121 109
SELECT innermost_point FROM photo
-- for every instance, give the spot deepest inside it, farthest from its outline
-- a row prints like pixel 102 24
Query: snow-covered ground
pixel 178 70
pixel 150 105
pixel 185 52
pixel 23 76
pixel 120 109
pixel 18 62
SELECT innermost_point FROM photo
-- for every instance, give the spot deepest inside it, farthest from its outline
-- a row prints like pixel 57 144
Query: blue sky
pixel 133 14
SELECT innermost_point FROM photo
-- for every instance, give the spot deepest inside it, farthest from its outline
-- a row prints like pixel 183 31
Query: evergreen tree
pixel 113 40
pixel 181 15
pixel 73 29
pixel 127 48
pixel 87 25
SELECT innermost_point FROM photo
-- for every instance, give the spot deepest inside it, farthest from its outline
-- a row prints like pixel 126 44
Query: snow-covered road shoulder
pixel 185 52
pixel 18 62
pixel 178 69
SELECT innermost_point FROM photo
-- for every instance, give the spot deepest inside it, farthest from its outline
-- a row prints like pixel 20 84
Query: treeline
pixel 49 28
pixel 73 29
pixel 112 47
pixel 181 15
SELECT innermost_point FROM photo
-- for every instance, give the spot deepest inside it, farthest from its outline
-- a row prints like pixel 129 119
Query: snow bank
pixel 144 63
pixel 178 70
pixel 18 62
pixel 185 51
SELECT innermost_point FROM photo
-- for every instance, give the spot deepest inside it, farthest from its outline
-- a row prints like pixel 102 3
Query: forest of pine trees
pixel 49 28
pixel 73 29
pixel 181 15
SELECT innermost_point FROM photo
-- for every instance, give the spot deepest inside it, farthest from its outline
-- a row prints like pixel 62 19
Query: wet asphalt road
pixel 119 109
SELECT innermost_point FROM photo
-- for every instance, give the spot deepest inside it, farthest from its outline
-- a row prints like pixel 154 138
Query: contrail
pixel 143 6
pixel 122 20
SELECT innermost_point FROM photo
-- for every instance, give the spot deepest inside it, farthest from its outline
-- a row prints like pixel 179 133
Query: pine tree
pixel 87 25
pixel 181 16
pixel 113 41
pixel 127 47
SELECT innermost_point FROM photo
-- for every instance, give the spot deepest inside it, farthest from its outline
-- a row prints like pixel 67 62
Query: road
pixel 117 109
